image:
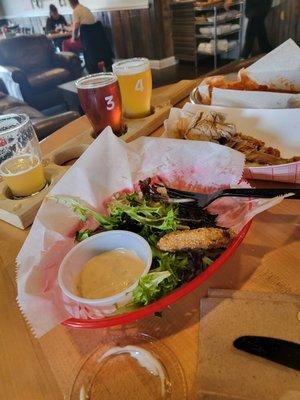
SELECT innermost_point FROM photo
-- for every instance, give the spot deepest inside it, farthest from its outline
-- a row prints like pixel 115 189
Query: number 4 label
pixel 139 87
pixel 110 104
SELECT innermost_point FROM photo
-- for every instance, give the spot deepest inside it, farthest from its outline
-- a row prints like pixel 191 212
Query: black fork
pixel 203 200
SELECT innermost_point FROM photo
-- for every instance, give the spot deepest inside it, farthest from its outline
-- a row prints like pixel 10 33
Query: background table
pixel 69 93
pixel 267 260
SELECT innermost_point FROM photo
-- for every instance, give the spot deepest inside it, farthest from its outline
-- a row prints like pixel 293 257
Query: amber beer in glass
pixel 135 82
pixel 20 156
pixel 100 99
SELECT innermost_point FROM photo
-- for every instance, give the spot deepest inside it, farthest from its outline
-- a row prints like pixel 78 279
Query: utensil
pixel 203 200
pixel 277 350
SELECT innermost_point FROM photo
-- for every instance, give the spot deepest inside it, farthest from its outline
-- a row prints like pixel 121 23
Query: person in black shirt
pixel 55 23
pixel 256 12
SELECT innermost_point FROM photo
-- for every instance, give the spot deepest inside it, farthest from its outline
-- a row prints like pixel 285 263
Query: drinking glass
pixel 20 156
pixel 100 98
pixel 135 81
pixel 130 366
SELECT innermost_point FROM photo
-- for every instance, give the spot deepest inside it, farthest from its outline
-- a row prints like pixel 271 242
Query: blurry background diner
pixel 56 27
pixel 45 47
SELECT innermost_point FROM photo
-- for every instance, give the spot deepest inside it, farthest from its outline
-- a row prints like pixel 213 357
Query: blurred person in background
pixel 256 12
pixel 81 16
pixel 55 23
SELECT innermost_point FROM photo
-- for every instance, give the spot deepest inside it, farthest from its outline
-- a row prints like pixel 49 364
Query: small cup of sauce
pixel 101 272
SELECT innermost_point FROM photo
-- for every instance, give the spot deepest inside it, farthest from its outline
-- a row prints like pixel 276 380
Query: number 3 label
pixel 110 104
pixel 139 87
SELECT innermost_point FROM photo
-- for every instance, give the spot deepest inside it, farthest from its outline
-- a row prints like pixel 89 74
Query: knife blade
pixel 277 350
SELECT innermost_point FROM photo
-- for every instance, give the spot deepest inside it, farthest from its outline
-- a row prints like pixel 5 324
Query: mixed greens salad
pixel 149 213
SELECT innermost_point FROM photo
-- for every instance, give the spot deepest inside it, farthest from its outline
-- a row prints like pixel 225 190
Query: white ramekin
pixel 74 261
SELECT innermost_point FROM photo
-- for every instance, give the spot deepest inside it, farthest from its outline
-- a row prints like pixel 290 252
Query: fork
pixel 203 200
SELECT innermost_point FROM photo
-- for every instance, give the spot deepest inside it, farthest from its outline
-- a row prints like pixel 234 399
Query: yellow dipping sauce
pixel 109 273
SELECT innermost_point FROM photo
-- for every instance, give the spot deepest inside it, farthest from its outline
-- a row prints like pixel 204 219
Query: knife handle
pixel 276 350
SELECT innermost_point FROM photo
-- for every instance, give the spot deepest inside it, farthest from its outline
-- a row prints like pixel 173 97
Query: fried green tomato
pixel 195 239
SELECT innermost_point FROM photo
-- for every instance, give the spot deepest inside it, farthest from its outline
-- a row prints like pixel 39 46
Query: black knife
pixel 277 350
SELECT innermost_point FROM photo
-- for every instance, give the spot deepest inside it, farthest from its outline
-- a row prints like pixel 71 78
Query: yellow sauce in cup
pixel 109 274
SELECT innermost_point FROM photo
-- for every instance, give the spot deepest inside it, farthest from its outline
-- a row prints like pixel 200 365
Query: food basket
pixel 107 167
pixel 165 301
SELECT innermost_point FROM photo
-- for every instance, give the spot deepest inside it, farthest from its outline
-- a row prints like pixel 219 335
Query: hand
pixel 227 4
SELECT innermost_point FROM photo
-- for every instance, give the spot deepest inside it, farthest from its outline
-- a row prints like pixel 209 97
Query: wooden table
pixel 30 369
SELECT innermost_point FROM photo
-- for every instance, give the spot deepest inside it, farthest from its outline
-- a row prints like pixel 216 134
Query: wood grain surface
pixel 141 33
pixel 45 369
pixel 286 15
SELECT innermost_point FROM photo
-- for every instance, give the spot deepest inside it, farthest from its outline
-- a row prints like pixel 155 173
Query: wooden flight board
pixel 21 212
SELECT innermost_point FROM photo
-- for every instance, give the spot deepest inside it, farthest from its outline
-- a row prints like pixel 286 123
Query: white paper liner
pixel 277 128
pixel 107 166
pixel 278 70
pixel 252 99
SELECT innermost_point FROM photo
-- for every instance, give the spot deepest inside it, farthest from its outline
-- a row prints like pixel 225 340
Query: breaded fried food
pixel 195 239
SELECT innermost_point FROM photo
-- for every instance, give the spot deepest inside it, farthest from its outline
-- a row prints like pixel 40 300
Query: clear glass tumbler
pixel 135 82
pixel 20 156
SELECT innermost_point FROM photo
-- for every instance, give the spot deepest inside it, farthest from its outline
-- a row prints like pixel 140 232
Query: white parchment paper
pixel 277 128
pixel 279 70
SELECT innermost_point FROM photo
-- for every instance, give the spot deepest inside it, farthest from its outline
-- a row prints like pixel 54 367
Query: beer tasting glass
pixel 20 156
pixel 100 99
pixel 136 86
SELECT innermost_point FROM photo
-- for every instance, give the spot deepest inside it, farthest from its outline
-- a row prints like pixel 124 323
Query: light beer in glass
pixel 135 82
pixel 20 156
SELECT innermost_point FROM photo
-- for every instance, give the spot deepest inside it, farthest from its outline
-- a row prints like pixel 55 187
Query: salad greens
pixel 161 216
pixel 148 288
pixel 165 277
pixel 84 212
pixel 149 214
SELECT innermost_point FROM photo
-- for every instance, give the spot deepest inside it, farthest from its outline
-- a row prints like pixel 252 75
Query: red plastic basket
pixel 164 301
